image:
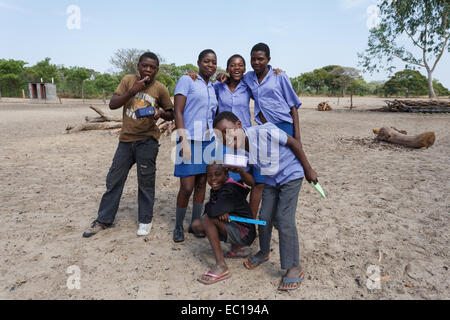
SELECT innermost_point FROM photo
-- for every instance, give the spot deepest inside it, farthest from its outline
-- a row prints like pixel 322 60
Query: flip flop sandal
pixel 255 261
pixel 240 254
pixel 286 281
pixel 215 278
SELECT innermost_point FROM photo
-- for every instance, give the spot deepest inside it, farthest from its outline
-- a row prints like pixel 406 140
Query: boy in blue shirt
pixel 275 99
pixel 283 162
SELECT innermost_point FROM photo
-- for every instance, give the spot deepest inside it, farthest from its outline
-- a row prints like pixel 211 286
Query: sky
pixel 303 35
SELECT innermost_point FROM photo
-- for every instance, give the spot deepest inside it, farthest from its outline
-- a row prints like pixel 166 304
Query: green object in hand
pixel 318 187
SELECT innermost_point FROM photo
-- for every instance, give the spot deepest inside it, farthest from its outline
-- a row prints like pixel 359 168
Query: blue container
pixel 145 112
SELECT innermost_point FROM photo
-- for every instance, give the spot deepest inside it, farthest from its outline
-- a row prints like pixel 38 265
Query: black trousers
pixel 144 154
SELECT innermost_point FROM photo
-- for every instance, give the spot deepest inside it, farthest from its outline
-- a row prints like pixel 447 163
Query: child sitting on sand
pixel 228 198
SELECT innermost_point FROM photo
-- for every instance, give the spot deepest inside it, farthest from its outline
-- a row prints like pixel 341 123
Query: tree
pixel 126 60
pixel 316 79
pixel 11 80
pixel 170 73
pixel 298 84
pixel 423 22
pixel 407 82
pixel 42 70
pixel 105 82
pixel 440 89
pixel 343 77
pixel 75 77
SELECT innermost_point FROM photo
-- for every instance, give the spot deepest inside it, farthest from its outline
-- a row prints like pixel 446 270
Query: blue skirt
pixel 286 127
pixel 202 154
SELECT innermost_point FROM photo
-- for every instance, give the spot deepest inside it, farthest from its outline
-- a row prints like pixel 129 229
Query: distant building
pixel 42 91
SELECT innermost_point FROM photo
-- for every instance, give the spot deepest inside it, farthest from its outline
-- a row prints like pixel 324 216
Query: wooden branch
pixel 93 126
pixel 396 136
pixel 103 115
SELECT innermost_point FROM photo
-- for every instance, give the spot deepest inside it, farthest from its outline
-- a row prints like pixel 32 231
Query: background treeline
pixel 341 81
pixel 79 82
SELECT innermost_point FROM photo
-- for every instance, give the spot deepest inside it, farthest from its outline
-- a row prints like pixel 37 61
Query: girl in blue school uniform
pixel 234 96
pixel 195 108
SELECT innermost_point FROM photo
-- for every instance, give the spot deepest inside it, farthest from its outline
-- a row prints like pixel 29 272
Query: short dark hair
pixel 226 115
pixel 216 163
pixel 262 47
pixel 204 53
pixel 234 56
pixel 149 55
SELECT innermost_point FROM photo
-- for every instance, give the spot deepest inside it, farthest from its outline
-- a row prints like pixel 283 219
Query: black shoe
pixel 197 235
pixel 94 229
pixel 178 235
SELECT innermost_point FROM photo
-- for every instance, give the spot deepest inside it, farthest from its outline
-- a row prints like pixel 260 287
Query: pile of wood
pixel 166 127
pixel 422 106
pixel 324 106
pixel 400 137
pixel 107 122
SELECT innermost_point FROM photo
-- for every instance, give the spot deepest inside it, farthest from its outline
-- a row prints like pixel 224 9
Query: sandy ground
pixel 387 207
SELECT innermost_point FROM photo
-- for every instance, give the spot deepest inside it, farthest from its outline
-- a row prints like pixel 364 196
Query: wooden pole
pixel 23 94
pixel 351 100
pixel 82 91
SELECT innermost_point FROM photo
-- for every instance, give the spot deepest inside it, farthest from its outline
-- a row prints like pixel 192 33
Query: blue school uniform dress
pixel 274 97
pixel 269 153
pixel 199 112
pixel 237 102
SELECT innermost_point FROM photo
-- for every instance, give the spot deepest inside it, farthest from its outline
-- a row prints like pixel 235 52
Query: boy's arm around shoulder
pixel 166 104
pixel 297 149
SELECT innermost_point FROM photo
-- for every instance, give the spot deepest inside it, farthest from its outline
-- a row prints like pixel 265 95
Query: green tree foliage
pixel 11 79
pixel 423 22
pixel 344 77
pixel 316 79
pixel 170 73
pixel 330 80
pixel 42 70
pixel 411 82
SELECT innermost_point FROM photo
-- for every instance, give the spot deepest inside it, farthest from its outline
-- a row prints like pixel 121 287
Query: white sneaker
pixel 144 229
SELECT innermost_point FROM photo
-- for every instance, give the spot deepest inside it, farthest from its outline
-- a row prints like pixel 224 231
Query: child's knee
pixel 186 190
pixel 200 185
pixel 197 226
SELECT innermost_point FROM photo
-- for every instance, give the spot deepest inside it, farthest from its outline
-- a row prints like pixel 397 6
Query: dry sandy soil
pixel 387 207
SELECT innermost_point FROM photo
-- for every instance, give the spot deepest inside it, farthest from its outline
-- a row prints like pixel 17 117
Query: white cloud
pixel 8 6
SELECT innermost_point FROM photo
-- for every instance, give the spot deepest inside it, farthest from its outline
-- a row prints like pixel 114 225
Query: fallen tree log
pixel 93 126
pixel 107 122
pixel 416 106
pixel 400 137
pixel 103 117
